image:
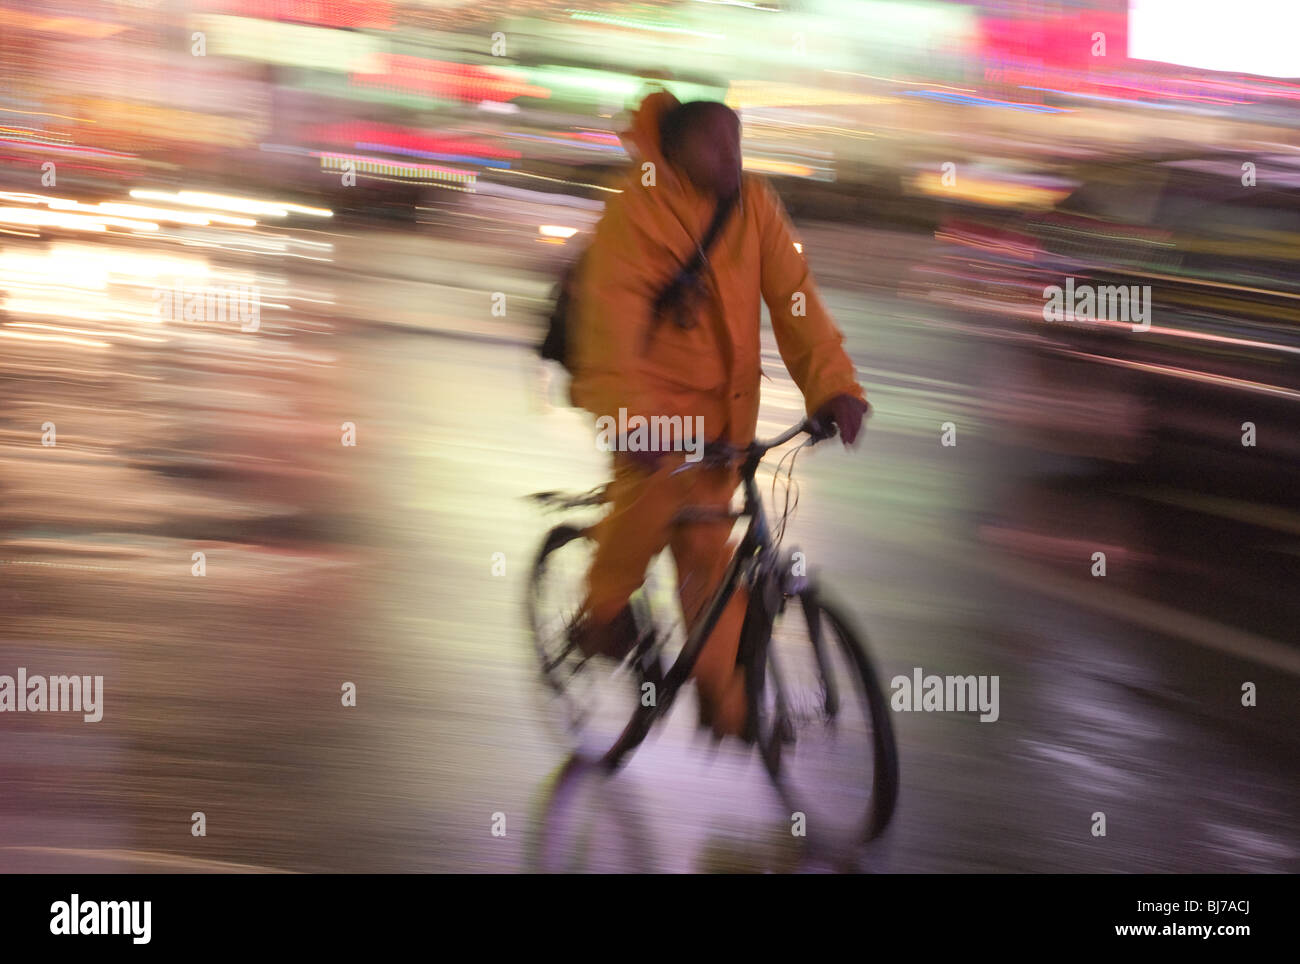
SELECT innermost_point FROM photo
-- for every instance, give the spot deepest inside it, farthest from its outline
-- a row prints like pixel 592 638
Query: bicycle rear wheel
pixel 822 723
pixel 594 697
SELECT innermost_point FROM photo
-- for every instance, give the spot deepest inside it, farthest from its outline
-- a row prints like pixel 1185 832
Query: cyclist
pixel 666 324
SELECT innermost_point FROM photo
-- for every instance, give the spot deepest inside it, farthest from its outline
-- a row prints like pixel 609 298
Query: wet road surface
pixel 326 564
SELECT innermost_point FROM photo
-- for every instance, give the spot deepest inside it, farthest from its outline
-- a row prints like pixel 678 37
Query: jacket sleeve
pixel 810 344
pixel 614 290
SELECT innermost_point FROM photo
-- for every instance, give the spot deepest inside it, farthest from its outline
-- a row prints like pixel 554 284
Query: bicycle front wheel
pixel 823 724
pixel 597 700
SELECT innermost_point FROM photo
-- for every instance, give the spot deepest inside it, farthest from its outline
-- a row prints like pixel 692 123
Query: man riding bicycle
pixel 667 325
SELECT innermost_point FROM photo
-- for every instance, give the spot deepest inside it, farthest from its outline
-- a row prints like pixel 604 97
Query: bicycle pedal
pixel 771 754
pixel 785 731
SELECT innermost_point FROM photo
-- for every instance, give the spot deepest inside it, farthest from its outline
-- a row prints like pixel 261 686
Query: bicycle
pixel 794 680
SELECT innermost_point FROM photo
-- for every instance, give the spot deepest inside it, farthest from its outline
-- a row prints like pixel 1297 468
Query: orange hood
pixel 674 211
pixel 644 132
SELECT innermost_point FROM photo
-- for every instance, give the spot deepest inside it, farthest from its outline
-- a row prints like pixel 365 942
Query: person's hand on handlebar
pixel 843 412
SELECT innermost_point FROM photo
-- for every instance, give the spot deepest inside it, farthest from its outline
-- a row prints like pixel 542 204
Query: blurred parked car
pixel 1216 239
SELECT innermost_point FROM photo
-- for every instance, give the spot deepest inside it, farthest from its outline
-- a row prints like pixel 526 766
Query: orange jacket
pixel 712 369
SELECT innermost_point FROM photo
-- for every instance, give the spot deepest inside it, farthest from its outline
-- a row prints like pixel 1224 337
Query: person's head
pixel 702 140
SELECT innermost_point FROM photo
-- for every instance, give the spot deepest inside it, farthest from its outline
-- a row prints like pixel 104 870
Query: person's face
pixel 710 154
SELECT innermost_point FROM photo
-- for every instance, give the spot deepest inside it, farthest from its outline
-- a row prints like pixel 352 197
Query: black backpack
pixel 672 301
pixel 555 346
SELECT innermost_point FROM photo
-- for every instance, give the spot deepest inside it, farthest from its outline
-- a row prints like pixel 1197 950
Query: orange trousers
pixel 639 525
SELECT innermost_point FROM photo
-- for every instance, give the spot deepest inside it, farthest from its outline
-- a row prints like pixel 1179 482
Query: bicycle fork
pixel 812 615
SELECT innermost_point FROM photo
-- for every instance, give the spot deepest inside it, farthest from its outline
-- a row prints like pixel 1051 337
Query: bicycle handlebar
pixel 812 426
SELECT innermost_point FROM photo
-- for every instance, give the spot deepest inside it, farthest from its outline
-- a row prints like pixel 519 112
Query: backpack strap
pixel 673 295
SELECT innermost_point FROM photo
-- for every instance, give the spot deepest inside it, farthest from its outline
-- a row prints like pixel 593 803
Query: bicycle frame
pixel 750 566
pixel 776 683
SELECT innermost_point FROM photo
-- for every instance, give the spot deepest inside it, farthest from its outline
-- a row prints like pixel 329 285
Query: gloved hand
pixel 845 412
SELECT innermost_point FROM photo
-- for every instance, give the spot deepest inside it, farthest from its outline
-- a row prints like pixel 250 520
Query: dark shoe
pixel 750 733
pixel 771 754
pixel 705 719
pixel 612 641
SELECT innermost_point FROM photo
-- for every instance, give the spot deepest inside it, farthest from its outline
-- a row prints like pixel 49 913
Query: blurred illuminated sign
pixel 357 14
pixel 441 79
pixel 1241 36
pixel 291 44
pixel 760 93
pixel 71 26
pixel 580 85
pixel 1081 40
pixel 700 41
pixel 136 120
pixel 387 169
